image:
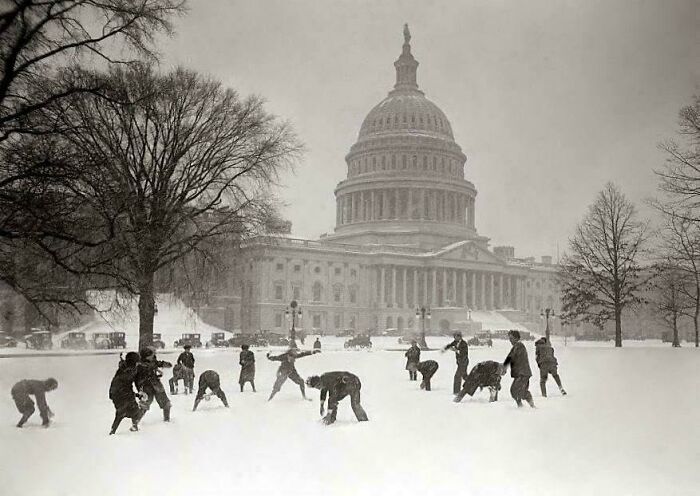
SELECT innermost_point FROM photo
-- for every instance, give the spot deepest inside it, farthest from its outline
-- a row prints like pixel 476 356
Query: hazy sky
pixel 548 99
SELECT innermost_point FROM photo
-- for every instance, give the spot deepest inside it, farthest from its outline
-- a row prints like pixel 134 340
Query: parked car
pixel 193 339
pixel 250 339
pixel 218 340
pixel 408 339
pixel 7 341
pixel 74 341
pixel 274 339
pixel 101 341
pixel 480 341
pixel 158 341
pixel 357 342
pixel 39 340
pixel 117 339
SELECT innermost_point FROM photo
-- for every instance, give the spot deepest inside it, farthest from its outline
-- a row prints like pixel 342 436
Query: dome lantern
pixel 406 65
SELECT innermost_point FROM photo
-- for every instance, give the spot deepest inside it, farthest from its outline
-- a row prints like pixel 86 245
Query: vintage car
pixel 193 339
pixel 218 340
pixel 274 339
pixel 39 340
pixel 117 339
pixel 74 341
pixel 101 341
pixel 7 341
pixel 357 342
pixel 158 341
pixel 250 339
pixel 480 341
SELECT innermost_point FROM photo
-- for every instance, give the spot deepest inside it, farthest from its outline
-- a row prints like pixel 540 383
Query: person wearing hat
pixel 317 344
pixel 412 360
pixel 209 379
pixel 287 370
pixel 247 362
pixel 519 370
pixel 121 392
pixel 148 376
pixel 461 349
pixel 20 393
pixel 547 363
pixel 186 359
pixel 336 386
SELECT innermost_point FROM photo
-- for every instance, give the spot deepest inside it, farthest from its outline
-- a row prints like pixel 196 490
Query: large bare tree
pixel 168 163
pixel 600 276
pixel 670 297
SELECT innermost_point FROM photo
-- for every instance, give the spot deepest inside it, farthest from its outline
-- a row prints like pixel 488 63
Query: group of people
pixel 488 374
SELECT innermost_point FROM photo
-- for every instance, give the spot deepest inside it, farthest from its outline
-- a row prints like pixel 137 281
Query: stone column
pixel 393 285
pixel 409 206
pixel 363 207
pixel 501 286
pixel 415 287
pixel 337 211
pixel 385 205
pixel 382 289
pixel 433 300
pixel 444 287
pixel 403 284
pixel 482 296
pixel 397 206
pixel 464 288
pixel 493 290
pixel 422 204
pixel 425 300
pixel 454 288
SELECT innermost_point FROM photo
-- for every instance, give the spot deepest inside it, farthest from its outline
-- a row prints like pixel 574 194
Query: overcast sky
pixel 548 99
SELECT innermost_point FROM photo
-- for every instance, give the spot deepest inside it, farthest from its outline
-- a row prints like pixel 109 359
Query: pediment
pixel 467 251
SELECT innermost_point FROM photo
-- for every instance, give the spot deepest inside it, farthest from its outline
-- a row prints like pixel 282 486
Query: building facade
pixel 405 237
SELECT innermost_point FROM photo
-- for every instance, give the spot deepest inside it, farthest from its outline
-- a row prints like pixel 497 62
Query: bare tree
pixel 41 42
pixel 680 178
pixel 183 162
pixel 601 275
pixel 670 297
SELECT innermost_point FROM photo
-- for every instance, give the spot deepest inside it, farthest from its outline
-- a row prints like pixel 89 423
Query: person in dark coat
pixel 427 370
pixel 338 385
pixel 412 360
pixel 186 359
pixel 247 361
pixel 317 344
pixel 519 370
pixel 287 370
pixel 461 349
pixel 20 394
pixel 484 374
pixel 122 394
pixel 209 379
pixel 148 376
pixel 547 362
pixel 182 373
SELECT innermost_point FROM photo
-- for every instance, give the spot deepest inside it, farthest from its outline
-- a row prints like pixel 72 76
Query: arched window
pixel 403 161
pixel 415 162
pixel 393 161
pixel 383 162
pixel 317 289
pixel 425 162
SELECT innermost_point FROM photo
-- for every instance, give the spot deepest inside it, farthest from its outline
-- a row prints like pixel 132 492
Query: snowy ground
pixel 628 427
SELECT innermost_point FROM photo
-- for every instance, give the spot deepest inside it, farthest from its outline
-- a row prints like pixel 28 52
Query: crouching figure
pixel 338 385
pixel 484 374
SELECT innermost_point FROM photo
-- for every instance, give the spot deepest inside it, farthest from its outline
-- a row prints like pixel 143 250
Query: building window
pixel 337 294
pixel 337 271
pixel 297 268
pixel 317 321
pixel 337 321
pixel 279 292
pixel 317 270
pixel 353 272
pixel 280 267
pixel 353 295
pixel 317 291
pixel 278 320
pixel 296 293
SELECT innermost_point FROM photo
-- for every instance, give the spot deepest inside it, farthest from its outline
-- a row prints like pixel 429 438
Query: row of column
pixel 400 286
pixel 405 203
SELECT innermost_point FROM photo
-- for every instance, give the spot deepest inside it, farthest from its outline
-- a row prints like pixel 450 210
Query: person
pixel 287 370
pixel 317 344
pixel 412 360
pixel 461 349
pixel 148 376
pixel 209 379
pixel 519 370
pixel 121 392
pixel 184 373
pixel 20 394
pixel 547 363
pixel 338 385
pixel 186 359
pixel 427 370
pixel 247 361
pixel 484 374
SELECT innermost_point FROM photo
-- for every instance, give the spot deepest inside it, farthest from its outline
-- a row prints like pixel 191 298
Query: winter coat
pixel 484 374
pixel 429 367
pixel 338 384
pixel 412 358
pixel 32 386
pixel 247 361
pixel 544 354
pixel 518 361
pixel 317 345
pixel 462 349
pixel 121 389
pixel 209 379
pixel 148 373
pixel 186 358
pixel 288 359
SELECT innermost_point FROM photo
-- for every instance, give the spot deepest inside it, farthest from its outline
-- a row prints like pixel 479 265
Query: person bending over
pixel 336 386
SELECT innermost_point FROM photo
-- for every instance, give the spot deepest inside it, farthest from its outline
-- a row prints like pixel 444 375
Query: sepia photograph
pixel 349 247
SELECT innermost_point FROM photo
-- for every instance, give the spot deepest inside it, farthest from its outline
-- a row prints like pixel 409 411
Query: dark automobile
pixel 117 339
pixel 74 341
pixel 193 339
pixel 158 341
pixel 276 339
pixel 218 340
pixel 249 339
pixel 39 340
pixel 358 342
pixel 101 341
pixel 7 341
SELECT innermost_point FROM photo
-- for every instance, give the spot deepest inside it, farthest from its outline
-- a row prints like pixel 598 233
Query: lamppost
pixel 423 313
pixel 546 314
pixel 294 310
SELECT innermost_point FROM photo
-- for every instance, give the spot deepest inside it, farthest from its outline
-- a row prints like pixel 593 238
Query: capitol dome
pixel 405 174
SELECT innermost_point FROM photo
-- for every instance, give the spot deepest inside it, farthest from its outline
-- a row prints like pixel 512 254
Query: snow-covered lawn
pixel 628 427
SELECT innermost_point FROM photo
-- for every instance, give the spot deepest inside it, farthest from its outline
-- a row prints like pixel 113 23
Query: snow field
pixel 628 427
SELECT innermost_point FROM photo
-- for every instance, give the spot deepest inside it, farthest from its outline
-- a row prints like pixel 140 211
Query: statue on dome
pixel 406 34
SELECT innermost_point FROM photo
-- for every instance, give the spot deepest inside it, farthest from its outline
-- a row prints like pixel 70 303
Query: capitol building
pixel 405 237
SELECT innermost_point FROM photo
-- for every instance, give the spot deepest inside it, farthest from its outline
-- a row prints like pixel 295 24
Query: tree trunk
pixel 618 328
pixel 676 343
pixel 147 306
pixel 695 322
